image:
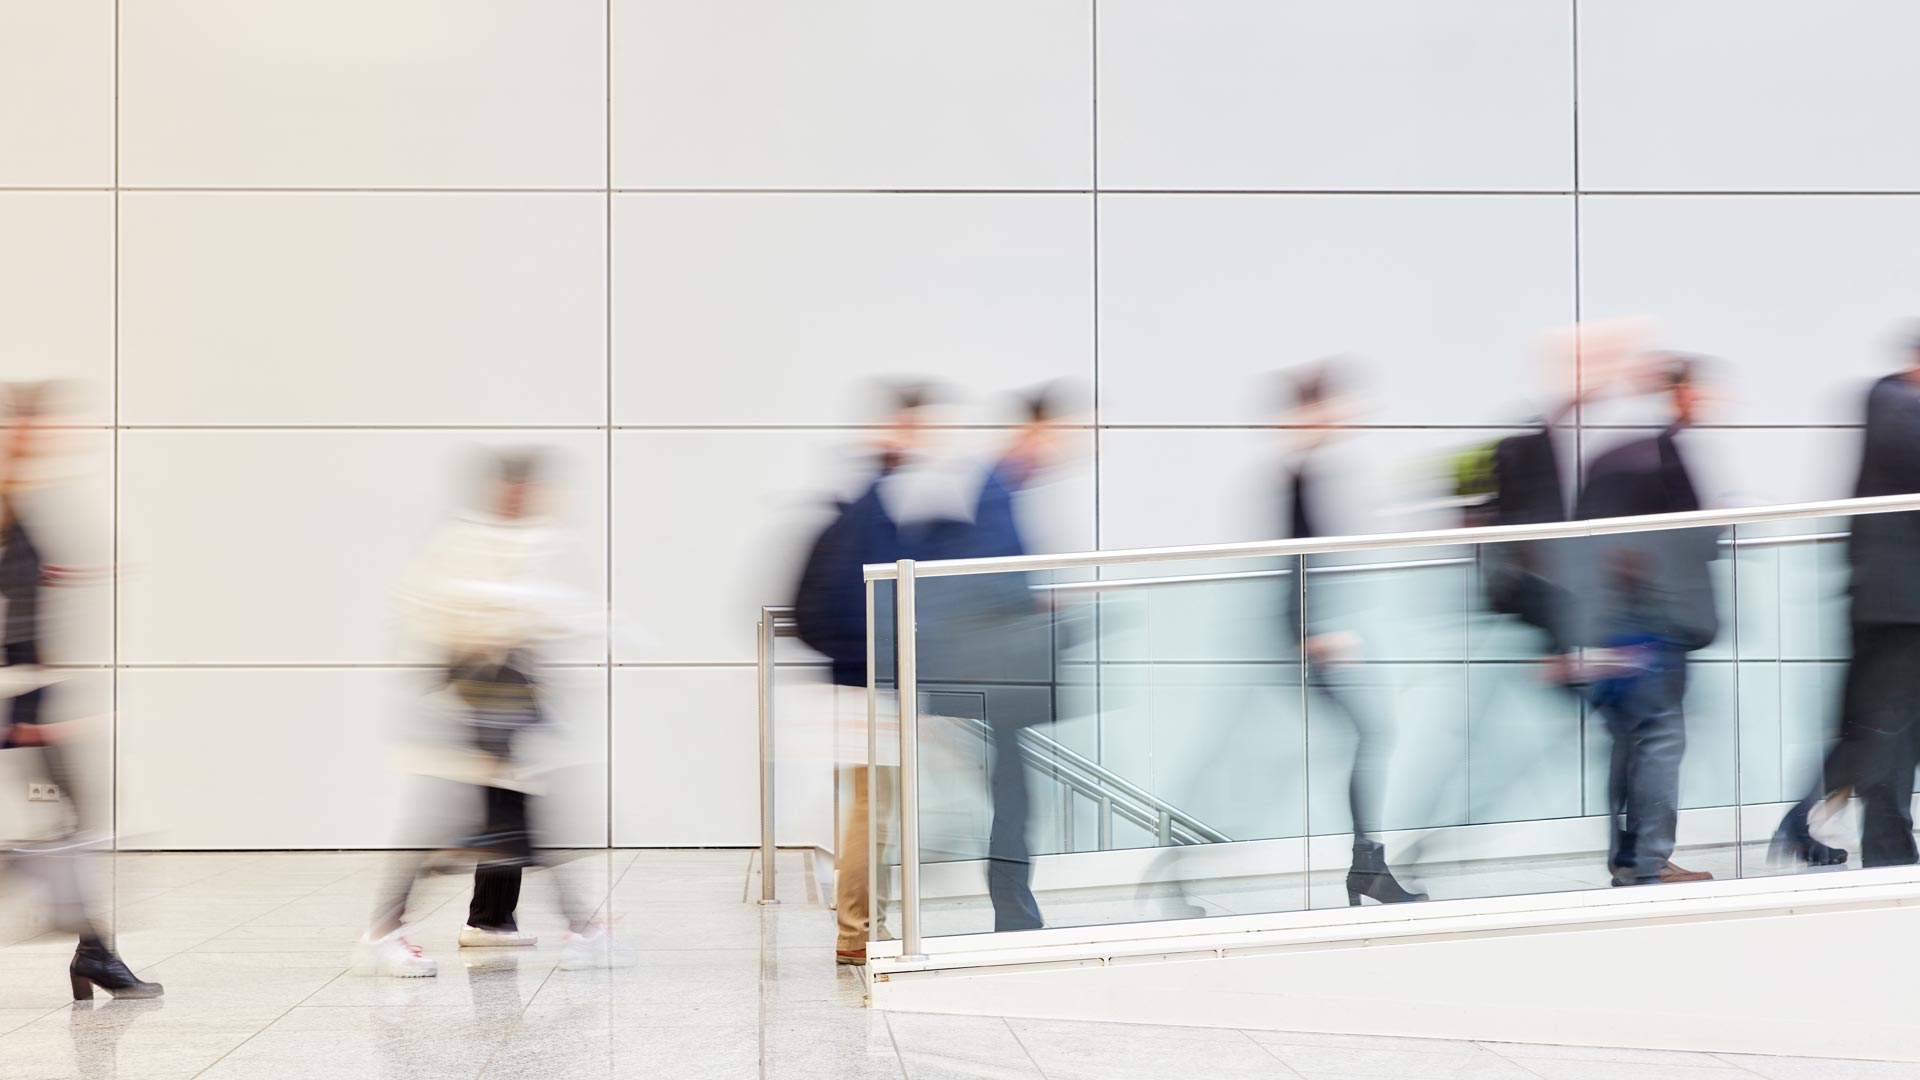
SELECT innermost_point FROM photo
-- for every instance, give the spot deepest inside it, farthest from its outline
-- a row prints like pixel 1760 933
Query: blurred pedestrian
pixel 830 615
pixel 1879 742
pixel 1330 646
pixel 1006 606
pixel 482 599
pixel 24 575
pixel 1654 607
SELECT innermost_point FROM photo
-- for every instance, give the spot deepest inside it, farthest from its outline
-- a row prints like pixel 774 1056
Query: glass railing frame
pixel 905 572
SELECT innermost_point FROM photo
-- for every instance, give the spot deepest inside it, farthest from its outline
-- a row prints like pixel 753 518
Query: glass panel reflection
pixel 1186 739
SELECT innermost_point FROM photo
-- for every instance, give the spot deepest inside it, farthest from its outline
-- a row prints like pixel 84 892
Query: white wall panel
pixel 56 291
pixel 289 546
pixel 1171 487
pixel 1758 466
pixel 387 308
pixel 287 758
pixel 1329 94
pixel 363 93
pixel 1203 296
pixel 738 309
pixel 56 92
pixel 709 526
pixel 406 233
pixel 1804 298
pixel 853 94
pixel 685 757
pixel 1747 95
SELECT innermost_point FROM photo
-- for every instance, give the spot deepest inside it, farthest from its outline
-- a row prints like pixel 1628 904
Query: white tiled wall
pixel 1324 95
pixel 305 254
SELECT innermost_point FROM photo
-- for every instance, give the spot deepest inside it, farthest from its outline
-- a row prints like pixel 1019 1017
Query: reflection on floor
pixel 252 948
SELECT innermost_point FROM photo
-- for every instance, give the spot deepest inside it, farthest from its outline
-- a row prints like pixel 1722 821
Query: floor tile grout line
pixel 315 891
pixel 518 1019
pixel 288 1011
pixel 1510 1052
pixel 899 1059
pixel 1269 1051
pixel 1494 1049
pixel 1024 1048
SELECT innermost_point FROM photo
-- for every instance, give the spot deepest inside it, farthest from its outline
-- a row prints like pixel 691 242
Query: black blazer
pixel 1656 581
pixel 1885 548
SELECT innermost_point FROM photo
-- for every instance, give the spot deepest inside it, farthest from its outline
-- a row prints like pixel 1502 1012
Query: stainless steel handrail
pixel 1090 779
pixel 1112 792
pixel 1880 504
pixel 1078 773
pixel 767 632
pixel 905 573
pixel 1111 584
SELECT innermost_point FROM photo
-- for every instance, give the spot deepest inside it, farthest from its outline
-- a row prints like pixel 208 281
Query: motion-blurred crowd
pixel 1615 618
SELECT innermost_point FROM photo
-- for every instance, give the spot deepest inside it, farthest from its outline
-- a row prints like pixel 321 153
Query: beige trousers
pixel 853 873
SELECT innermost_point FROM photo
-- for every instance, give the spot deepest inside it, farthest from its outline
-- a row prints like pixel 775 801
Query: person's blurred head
pixel 1044 412
pixel 903 416
pixel 1316 398
pixel 27 400
pixel 1910 348
pixel 1682 377
pixel 516 480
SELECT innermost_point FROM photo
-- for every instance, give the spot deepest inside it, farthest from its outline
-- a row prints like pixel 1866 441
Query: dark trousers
pixel 24 708
pixel 496 884
pixel 1880 739
pixel 1009 861
pixel 1649 732
pixel 507 837
pixel 1340 690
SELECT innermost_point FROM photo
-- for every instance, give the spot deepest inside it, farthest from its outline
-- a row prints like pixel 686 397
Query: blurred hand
pixel 1335 647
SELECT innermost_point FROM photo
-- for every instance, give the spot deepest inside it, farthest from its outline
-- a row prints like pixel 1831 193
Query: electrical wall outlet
pixel 43 792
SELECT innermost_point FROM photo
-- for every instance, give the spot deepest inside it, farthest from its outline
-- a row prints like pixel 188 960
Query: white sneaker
pixel 593 949
pixel 392 955
pixel 473 937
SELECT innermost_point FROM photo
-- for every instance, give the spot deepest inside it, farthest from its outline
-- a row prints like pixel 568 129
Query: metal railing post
pixel 766 634
pixel 907 681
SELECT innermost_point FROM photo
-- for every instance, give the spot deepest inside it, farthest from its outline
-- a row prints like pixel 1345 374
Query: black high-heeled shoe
pixel 1371 878
pixel 1794 840
pixel 96 965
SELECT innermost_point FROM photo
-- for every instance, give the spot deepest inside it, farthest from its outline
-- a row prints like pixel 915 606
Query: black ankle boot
pixel 1371 878
pixel 95 965
pixel 1794 840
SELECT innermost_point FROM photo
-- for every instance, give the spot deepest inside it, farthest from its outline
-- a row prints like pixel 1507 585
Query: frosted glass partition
pixel 1189 733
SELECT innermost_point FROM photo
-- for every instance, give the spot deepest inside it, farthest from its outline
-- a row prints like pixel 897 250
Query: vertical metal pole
pixel 1163 831
pixel 907 678
pixel 1066 813
pixel 876 899
pixel 1106 823
pixel 1739 794
pixel 1306 735
pixel 768 848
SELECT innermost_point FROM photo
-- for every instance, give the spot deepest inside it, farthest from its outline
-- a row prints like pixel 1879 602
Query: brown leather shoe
pixel 853 957
pixel 1670 874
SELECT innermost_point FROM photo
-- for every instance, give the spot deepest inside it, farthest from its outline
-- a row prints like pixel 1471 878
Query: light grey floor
pixel 252 950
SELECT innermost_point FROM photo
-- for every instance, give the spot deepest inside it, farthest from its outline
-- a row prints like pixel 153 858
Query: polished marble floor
pixel 252 950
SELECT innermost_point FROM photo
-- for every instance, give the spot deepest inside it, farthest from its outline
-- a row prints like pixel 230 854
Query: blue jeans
pixel 1009 860
pixel 1649 732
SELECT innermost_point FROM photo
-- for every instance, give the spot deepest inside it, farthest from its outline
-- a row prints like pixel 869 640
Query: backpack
pixel 829 604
